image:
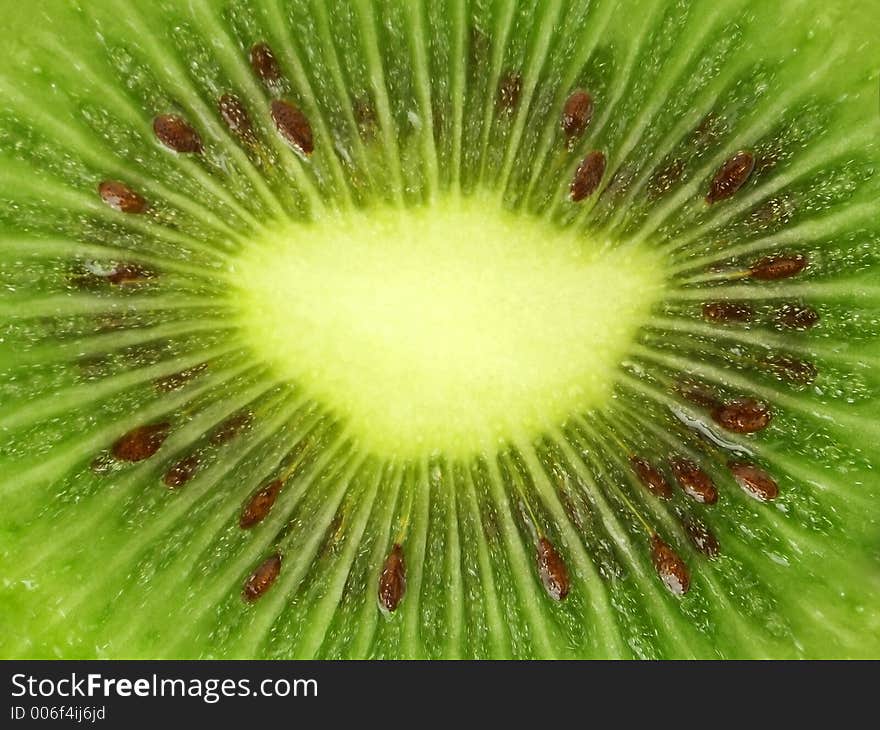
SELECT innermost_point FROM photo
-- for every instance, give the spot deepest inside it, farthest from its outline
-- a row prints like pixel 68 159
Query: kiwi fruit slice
pixel 462 328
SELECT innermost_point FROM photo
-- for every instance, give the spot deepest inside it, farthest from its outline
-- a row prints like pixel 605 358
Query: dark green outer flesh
pixel 120 566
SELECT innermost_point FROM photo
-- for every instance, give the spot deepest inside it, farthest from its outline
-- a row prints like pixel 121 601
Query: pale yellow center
pixel 445 328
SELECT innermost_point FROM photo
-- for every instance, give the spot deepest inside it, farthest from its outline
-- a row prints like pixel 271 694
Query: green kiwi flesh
pixel 449 329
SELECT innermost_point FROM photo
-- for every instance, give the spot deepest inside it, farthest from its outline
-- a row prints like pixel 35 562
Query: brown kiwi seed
pixel 732 175
pixel 588 176
pixel 182 471
pixel 779 266
pixel 664 179
pixel 259 505
pixel 695 482
pixel 262 578
pixel 721 312
pixel 670 567
pixel 743 415
pixel 796 317
pixel 264 63
pixel 392 581
pixel 755 481
pixel 231 427
pixel 791 369
pixel 697 394
pixel 236 117
pixel 177 134
pixel 121 197
pixel 576 116
pixel 551 568
pixel 140 443
pixel 702 538
pixel 293 126
pixel 651 477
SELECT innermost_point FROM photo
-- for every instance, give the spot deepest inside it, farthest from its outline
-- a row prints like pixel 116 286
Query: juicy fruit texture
pixel 482 329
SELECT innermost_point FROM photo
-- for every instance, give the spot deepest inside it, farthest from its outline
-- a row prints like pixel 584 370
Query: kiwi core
pixel 448 327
